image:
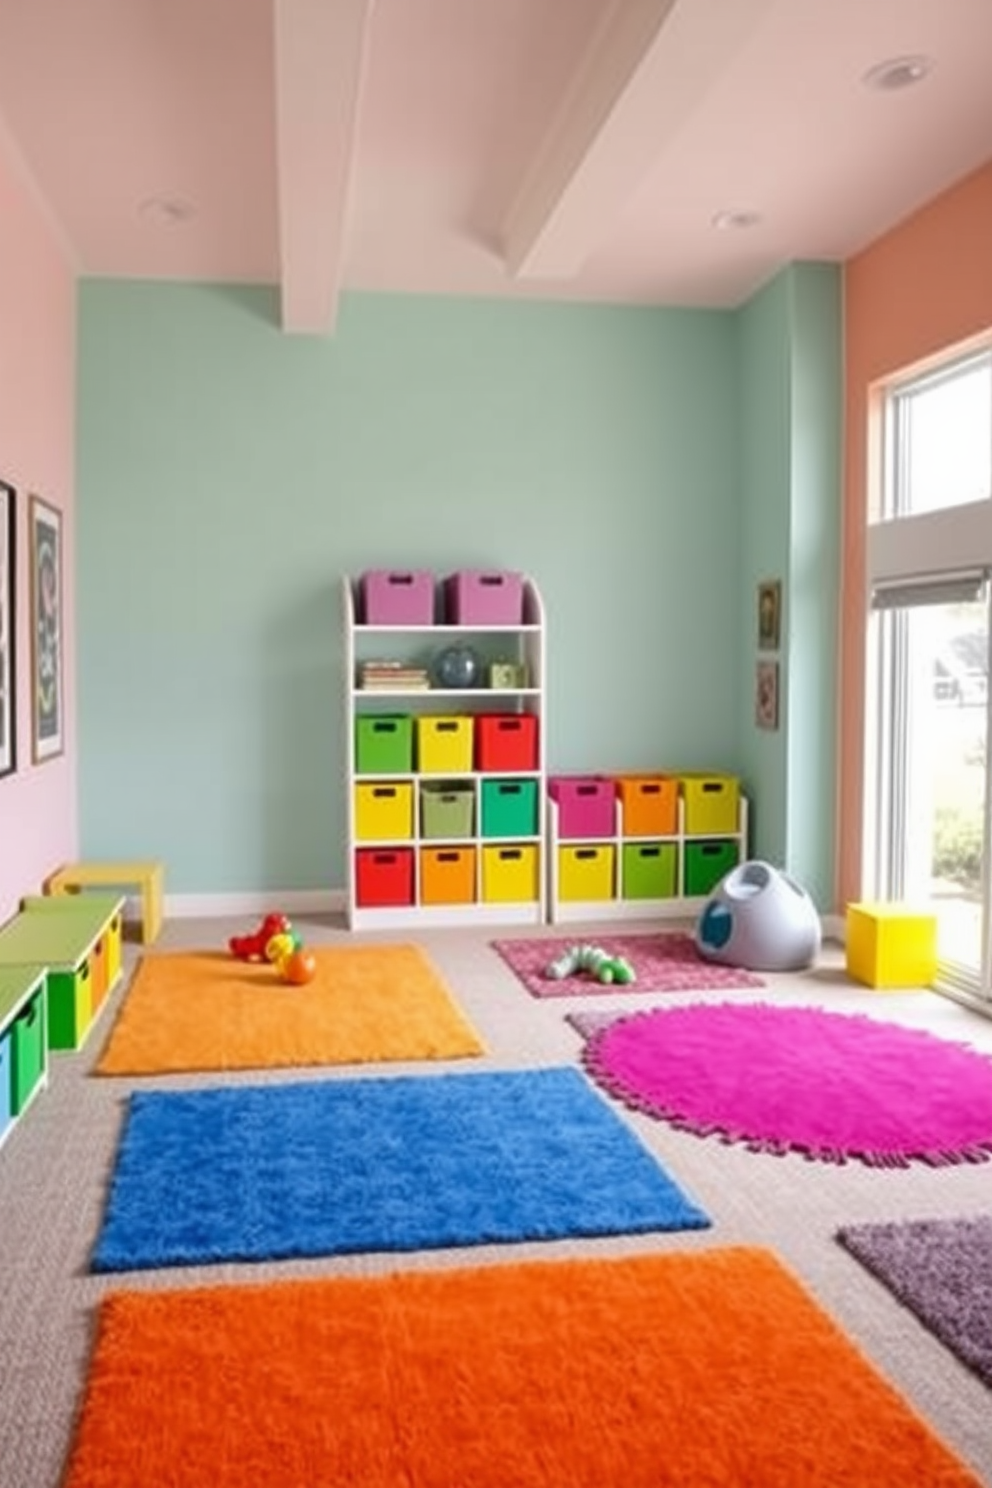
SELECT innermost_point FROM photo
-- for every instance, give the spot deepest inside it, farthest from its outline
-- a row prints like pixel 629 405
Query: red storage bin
pixel 506 741
pixel 474 597
pixel 587 805
pixel 384 876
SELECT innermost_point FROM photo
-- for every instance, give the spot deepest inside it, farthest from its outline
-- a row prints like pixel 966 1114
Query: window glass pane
pixel 945 771
pixel 943 441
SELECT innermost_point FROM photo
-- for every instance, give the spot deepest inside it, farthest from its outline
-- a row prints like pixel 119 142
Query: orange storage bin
pixel 447 875
pixel 650 805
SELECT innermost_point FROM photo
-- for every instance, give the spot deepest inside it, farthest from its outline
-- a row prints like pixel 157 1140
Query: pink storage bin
pixel 587 805
pixel 398 597
pixel 484 597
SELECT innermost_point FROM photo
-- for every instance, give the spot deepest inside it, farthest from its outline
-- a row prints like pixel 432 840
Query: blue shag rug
pixel 252 1173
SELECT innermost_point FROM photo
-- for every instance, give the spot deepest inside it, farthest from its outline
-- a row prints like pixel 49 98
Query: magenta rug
pixel 832 1086
pixel 666 962
pixel 941 1269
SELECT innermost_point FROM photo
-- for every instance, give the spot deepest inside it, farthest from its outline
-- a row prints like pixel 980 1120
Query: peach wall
pixel 38 816
pixel 922 288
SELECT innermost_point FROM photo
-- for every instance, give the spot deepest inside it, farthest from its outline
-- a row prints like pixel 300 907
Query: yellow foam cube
pixel 891 945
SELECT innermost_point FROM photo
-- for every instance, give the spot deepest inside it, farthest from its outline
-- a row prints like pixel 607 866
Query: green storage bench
pixel 23 1042
pixel 78 939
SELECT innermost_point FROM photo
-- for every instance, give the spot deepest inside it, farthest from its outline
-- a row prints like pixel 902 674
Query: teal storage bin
pixel 447 810
pixel 6 1082
pixel 649 870
pixel 509 808
pixel 28 1039
pixel 706 863
pixel 384 744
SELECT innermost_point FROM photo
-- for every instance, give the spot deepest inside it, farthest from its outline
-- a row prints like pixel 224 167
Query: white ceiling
pixel 572 149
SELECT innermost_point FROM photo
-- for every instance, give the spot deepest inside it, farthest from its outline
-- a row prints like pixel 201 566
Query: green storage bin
pixel 447 810
pixel 6 1081
pixel 28 1049
pixel 706 863
pixel 649 870
pixel 70 1006
pixel 384 744
pixel 509 808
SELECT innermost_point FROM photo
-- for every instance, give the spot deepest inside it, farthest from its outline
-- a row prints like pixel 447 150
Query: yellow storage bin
pixel 712 804
pixel 586 871
pixel 510 874
pixel 445 744
pixel 447 875
pixel 891 945
pixel 384 811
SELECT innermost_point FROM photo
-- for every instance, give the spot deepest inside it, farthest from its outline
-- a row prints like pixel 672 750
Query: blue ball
pixel 457 667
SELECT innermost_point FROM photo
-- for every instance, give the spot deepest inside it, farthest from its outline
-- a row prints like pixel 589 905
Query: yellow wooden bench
pixel 149 876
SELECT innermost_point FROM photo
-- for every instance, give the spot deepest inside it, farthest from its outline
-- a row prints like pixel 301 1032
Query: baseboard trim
pixel 216 906
pixel 321 901
pixel 834 927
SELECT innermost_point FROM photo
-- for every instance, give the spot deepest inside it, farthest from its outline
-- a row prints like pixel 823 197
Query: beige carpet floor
pixel 54 1169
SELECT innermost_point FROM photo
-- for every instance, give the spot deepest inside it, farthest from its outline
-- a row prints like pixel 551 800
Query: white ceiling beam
pixel 646 69
pixel 320 51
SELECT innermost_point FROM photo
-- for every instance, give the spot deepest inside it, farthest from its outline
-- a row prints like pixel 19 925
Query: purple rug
pixel 941 1269
pixel 667 962
pixel 832 1086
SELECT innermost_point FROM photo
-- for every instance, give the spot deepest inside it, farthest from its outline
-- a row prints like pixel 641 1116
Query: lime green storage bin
pixel 384 744
pixel 28 1046
pixel 447 810
pixel 706 863
pixel 509 808
pixel 649 870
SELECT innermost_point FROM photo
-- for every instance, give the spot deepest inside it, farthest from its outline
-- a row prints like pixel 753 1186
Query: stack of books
pixel 392 676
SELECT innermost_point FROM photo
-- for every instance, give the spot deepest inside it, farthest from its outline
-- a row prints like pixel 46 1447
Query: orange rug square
pixel 707 1368
pixel 208 1011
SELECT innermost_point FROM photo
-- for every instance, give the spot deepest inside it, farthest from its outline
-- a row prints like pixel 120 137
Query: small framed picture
pixel 45 576
pixel 769 614
pixel 766 695
pixel 8 691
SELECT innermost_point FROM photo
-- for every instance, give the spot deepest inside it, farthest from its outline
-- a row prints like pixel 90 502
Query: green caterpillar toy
pixel 591 959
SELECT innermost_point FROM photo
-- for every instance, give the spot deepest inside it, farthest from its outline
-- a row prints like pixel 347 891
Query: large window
pixel 929 559
pixel 939 439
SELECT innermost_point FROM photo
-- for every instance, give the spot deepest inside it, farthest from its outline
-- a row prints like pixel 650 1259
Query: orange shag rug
pixel 710 1367
pixel 208 1011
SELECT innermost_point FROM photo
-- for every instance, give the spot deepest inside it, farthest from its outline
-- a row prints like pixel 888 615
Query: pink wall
pixel 920 289
pixel 38 817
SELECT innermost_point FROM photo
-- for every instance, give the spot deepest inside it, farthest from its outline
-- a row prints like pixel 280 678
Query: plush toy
pixel 594 961
pixel 253 947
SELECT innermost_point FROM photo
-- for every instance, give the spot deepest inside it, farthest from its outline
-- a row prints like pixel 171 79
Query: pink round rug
pixel 832 1086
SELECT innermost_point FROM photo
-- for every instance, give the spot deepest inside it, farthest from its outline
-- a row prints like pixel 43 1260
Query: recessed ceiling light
pixel 896 73
pixel 731 221
pixel 167 211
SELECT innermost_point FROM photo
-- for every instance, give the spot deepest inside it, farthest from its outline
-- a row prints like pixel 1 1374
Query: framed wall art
pixel 769 614
pixel 45 574
pixel 766 695
pixel 8 637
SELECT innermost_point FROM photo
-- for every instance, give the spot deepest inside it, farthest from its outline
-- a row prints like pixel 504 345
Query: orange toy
pixel 299 968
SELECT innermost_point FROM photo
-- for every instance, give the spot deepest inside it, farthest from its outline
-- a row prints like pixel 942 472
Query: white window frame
pixel 907 555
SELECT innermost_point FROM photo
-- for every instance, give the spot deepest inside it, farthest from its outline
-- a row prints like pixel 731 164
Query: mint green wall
pixel 790 374
pixel 814 576
pixel 229 475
